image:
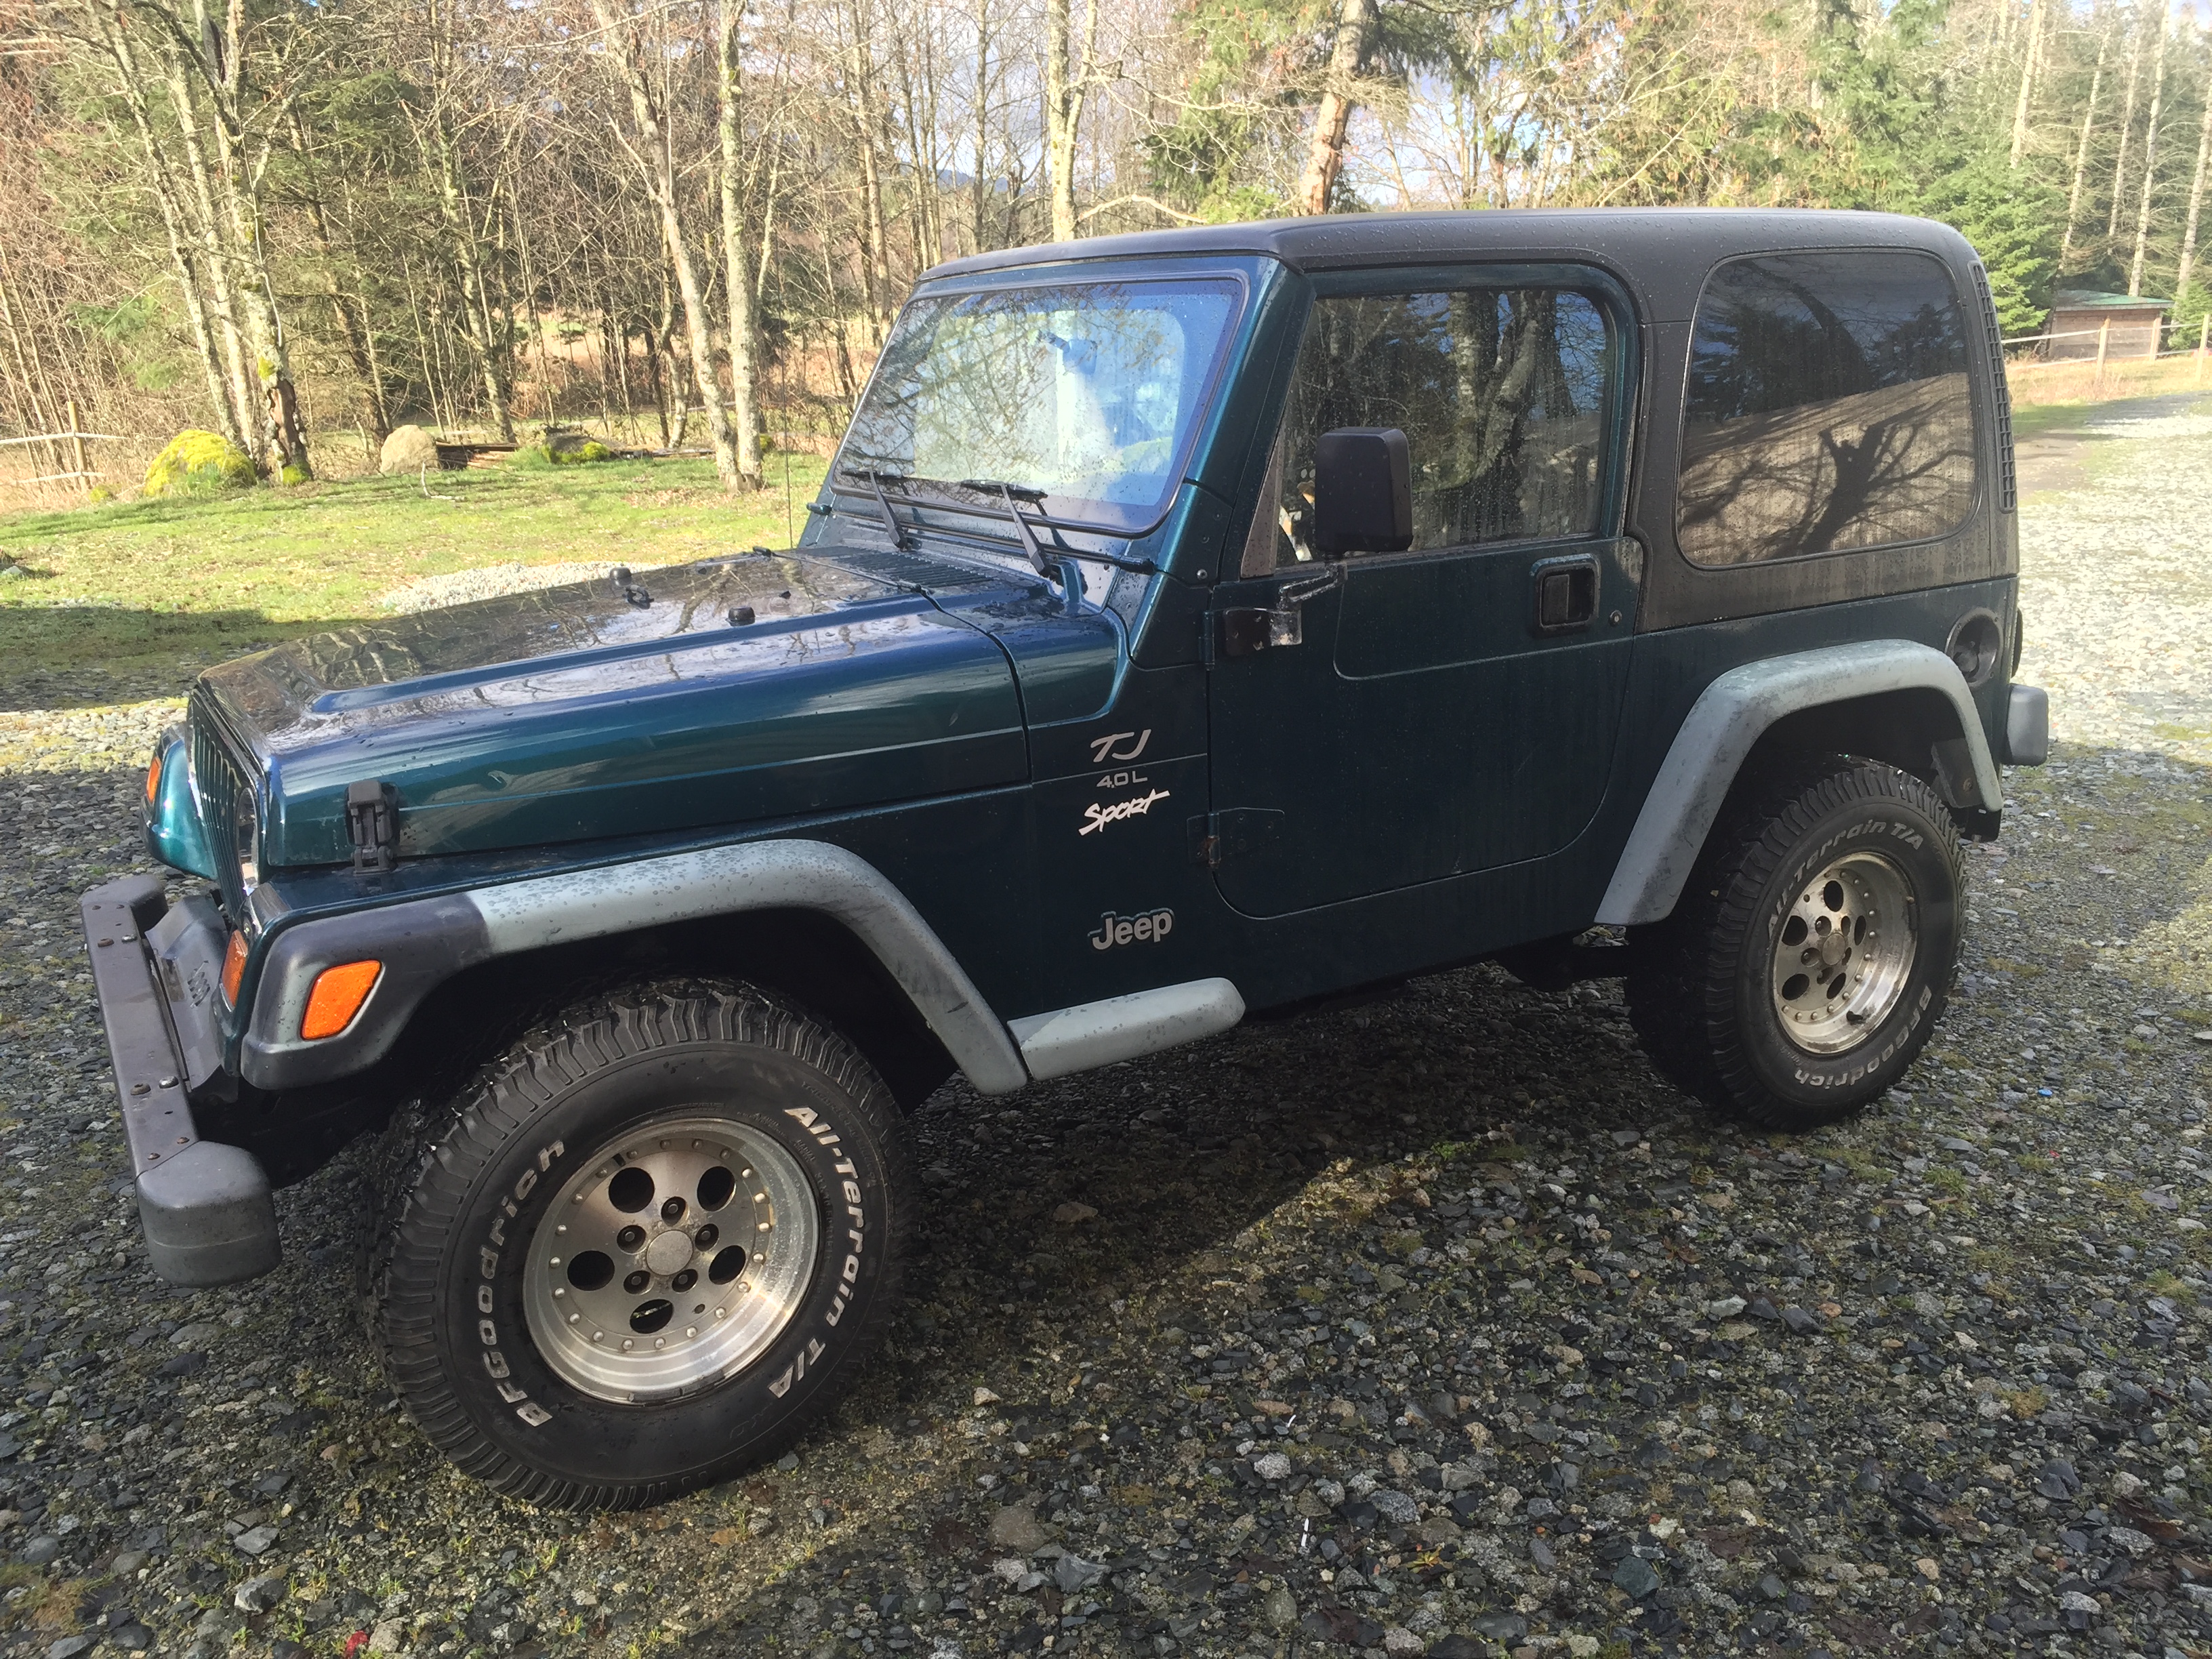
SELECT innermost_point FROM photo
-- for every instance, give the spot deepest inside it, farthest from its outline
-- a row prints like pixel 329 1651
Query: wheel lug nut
pixel 672 1210
pixel 630 1237
pixel 637 1281
pixel 684 1280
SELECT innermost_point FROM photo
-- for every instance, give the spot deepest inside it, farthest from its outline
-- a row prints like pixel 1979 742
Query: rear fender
pixel 1930 712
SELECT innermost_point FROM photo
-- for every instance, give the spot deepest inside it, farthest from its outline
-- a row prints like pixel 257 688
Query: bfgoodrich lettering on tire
pixel 645 1249
pixel 1813 949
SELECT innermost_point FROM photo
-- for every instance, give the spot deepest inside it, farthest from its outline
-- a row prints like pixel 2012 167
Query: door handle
pixel 1566 593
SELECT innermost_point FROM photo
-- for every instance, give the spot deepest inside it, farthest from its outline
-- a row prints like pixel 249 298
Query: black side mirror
pixel 1363 492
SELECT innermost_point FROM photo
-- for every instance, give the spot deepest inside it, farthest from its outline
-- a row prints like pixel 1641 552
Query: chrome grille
pixel 219 780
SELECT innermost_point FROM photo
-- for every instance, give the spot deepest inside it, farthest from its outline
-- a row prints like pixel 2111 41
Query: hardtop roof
pixel 1665 251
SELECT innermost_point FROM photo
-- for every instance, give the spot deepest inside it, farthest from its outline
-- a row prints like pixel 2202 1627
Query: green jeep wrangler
pixel 1194 626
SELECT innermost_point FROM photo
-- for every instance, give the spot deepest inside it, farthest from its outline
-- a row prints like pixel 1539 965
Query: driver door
pixel 1451 708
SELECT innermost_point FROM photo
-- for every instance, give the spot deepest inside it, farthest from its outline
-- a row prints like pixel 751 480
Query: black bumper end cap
pixel 2027 727
pixel 144 896
pixel 207 1215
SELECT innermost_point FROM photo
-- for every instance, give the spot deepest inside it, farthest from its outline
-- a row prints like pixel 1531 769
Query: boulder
pixel 566 446
pixel 409 449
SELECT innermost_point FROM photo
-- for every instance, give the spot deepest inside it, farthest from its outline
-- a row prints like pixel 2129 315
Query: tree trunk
pixel 2150 156
pixel 221 287
pixel 860 69
pixel 160 178
pixel 1355 39
pixel 2127 130
pixel 2081 150
pixel 2027 82
pixel 459 211
pixel 2195 203
pixel 653 151
pixel 257 292
pixel 737 267
pixel 1063 107
pixel 37 393
pixel 979 192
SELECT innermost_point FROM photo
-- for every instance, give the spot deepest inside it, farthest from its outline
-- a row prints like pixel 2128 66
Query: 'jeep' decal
pixel 1150 928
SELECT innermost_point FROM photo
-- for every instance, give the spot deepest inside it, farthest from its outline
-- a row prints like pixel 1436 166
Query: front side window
pixel 1087 393
pixel 1827 408
pixel 1503 395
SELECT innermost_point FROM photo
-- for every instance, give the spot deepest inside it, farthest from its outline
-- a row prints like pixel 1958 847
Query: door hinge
pixel 1217 837
pixel 1244 630
pixel 372 810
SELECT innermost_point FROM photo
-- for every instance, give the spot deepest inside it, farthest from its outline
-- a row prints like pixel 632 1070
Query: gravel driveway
pixel 1439 1325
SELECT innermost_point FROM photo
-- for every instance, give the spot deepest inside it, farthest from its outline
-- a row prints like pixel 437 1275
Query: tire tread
pixel 1681 997
pixel 423 1167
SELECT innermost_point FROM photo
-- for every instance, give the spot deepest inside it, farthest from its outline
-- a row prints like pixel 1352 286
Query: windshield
pixel 1084 394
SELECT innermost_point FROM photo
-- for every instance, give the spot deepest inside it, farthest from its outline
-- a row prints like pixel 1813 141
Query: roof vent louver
pixel 2007 483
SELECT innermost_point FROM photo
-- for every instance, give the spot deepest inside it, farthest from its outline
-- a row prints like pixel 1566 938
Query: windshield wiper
pixel 1014 494
pixel 900 539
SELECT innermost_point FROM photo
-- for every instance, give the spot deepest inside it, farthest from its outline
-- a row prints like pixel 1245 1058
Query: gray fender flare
pixel 424 942
pixel 1728 717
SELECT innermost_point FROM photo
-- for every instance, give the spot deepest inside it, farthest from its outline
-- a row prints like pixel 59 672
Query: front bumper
pixel 205 1207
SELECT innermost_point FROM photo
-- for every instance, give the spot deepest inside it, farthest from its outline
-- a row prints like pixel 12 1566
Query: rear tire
pixel 1813 949
pixel 751 1178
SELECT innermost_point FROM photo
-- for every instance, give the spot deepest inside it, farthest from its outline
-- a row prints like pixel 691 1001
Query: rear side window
pixel 1503 395
pixel 1827 408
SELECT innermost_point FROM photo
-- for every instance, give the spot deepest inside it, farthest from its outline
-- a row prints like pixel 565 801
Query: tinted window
pixel 1087 392
pixel 1827 408
pixel 1502 396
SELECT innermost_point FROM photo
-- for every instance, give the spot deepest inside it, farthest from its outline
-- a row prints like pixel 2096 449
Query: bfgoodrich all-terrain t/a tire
pixel 1813 949
pixel 653 1242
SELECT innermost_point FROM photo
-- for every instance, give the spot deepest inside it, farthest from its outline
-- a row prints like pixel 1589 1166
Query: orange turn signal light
pixel 233 966
pixel 336 997
pixel 154 778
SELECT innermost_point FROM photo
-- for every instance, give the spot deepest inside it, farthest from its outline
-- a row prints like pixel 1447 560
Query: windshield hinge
pixel 372 809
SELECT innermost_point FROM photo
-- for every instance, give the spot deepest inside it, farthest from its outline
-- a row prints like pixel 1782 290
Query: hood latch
pixel 372 809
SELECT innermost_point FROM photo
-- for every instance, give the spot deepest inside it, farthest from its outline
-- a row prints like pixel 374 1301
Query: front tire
pixel 1813 949
pixel 647 1248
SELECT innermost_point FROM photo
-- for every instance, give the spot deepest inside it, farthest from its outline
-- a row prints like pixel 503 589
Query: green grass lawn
pixel 2033 420
pixel 126 602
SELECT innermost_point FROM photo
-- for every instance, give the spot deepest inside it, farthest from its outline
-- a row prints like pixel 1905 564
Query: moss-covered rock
pixel 196 462
pixel 565 446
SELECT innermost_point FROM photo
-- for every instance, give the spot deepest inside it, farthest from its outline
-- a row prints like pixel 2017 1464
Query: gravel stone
pixel 1015 1527
pixel 259 1595
pixel 1635 1577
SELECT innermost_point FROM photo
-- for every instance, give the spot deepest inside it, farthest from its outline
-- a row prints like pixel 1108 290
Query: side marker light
pixel 336 997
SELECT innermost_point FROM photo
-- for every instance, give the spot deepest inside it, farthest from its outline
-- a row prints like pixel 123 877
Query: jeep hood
pixel 580 712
